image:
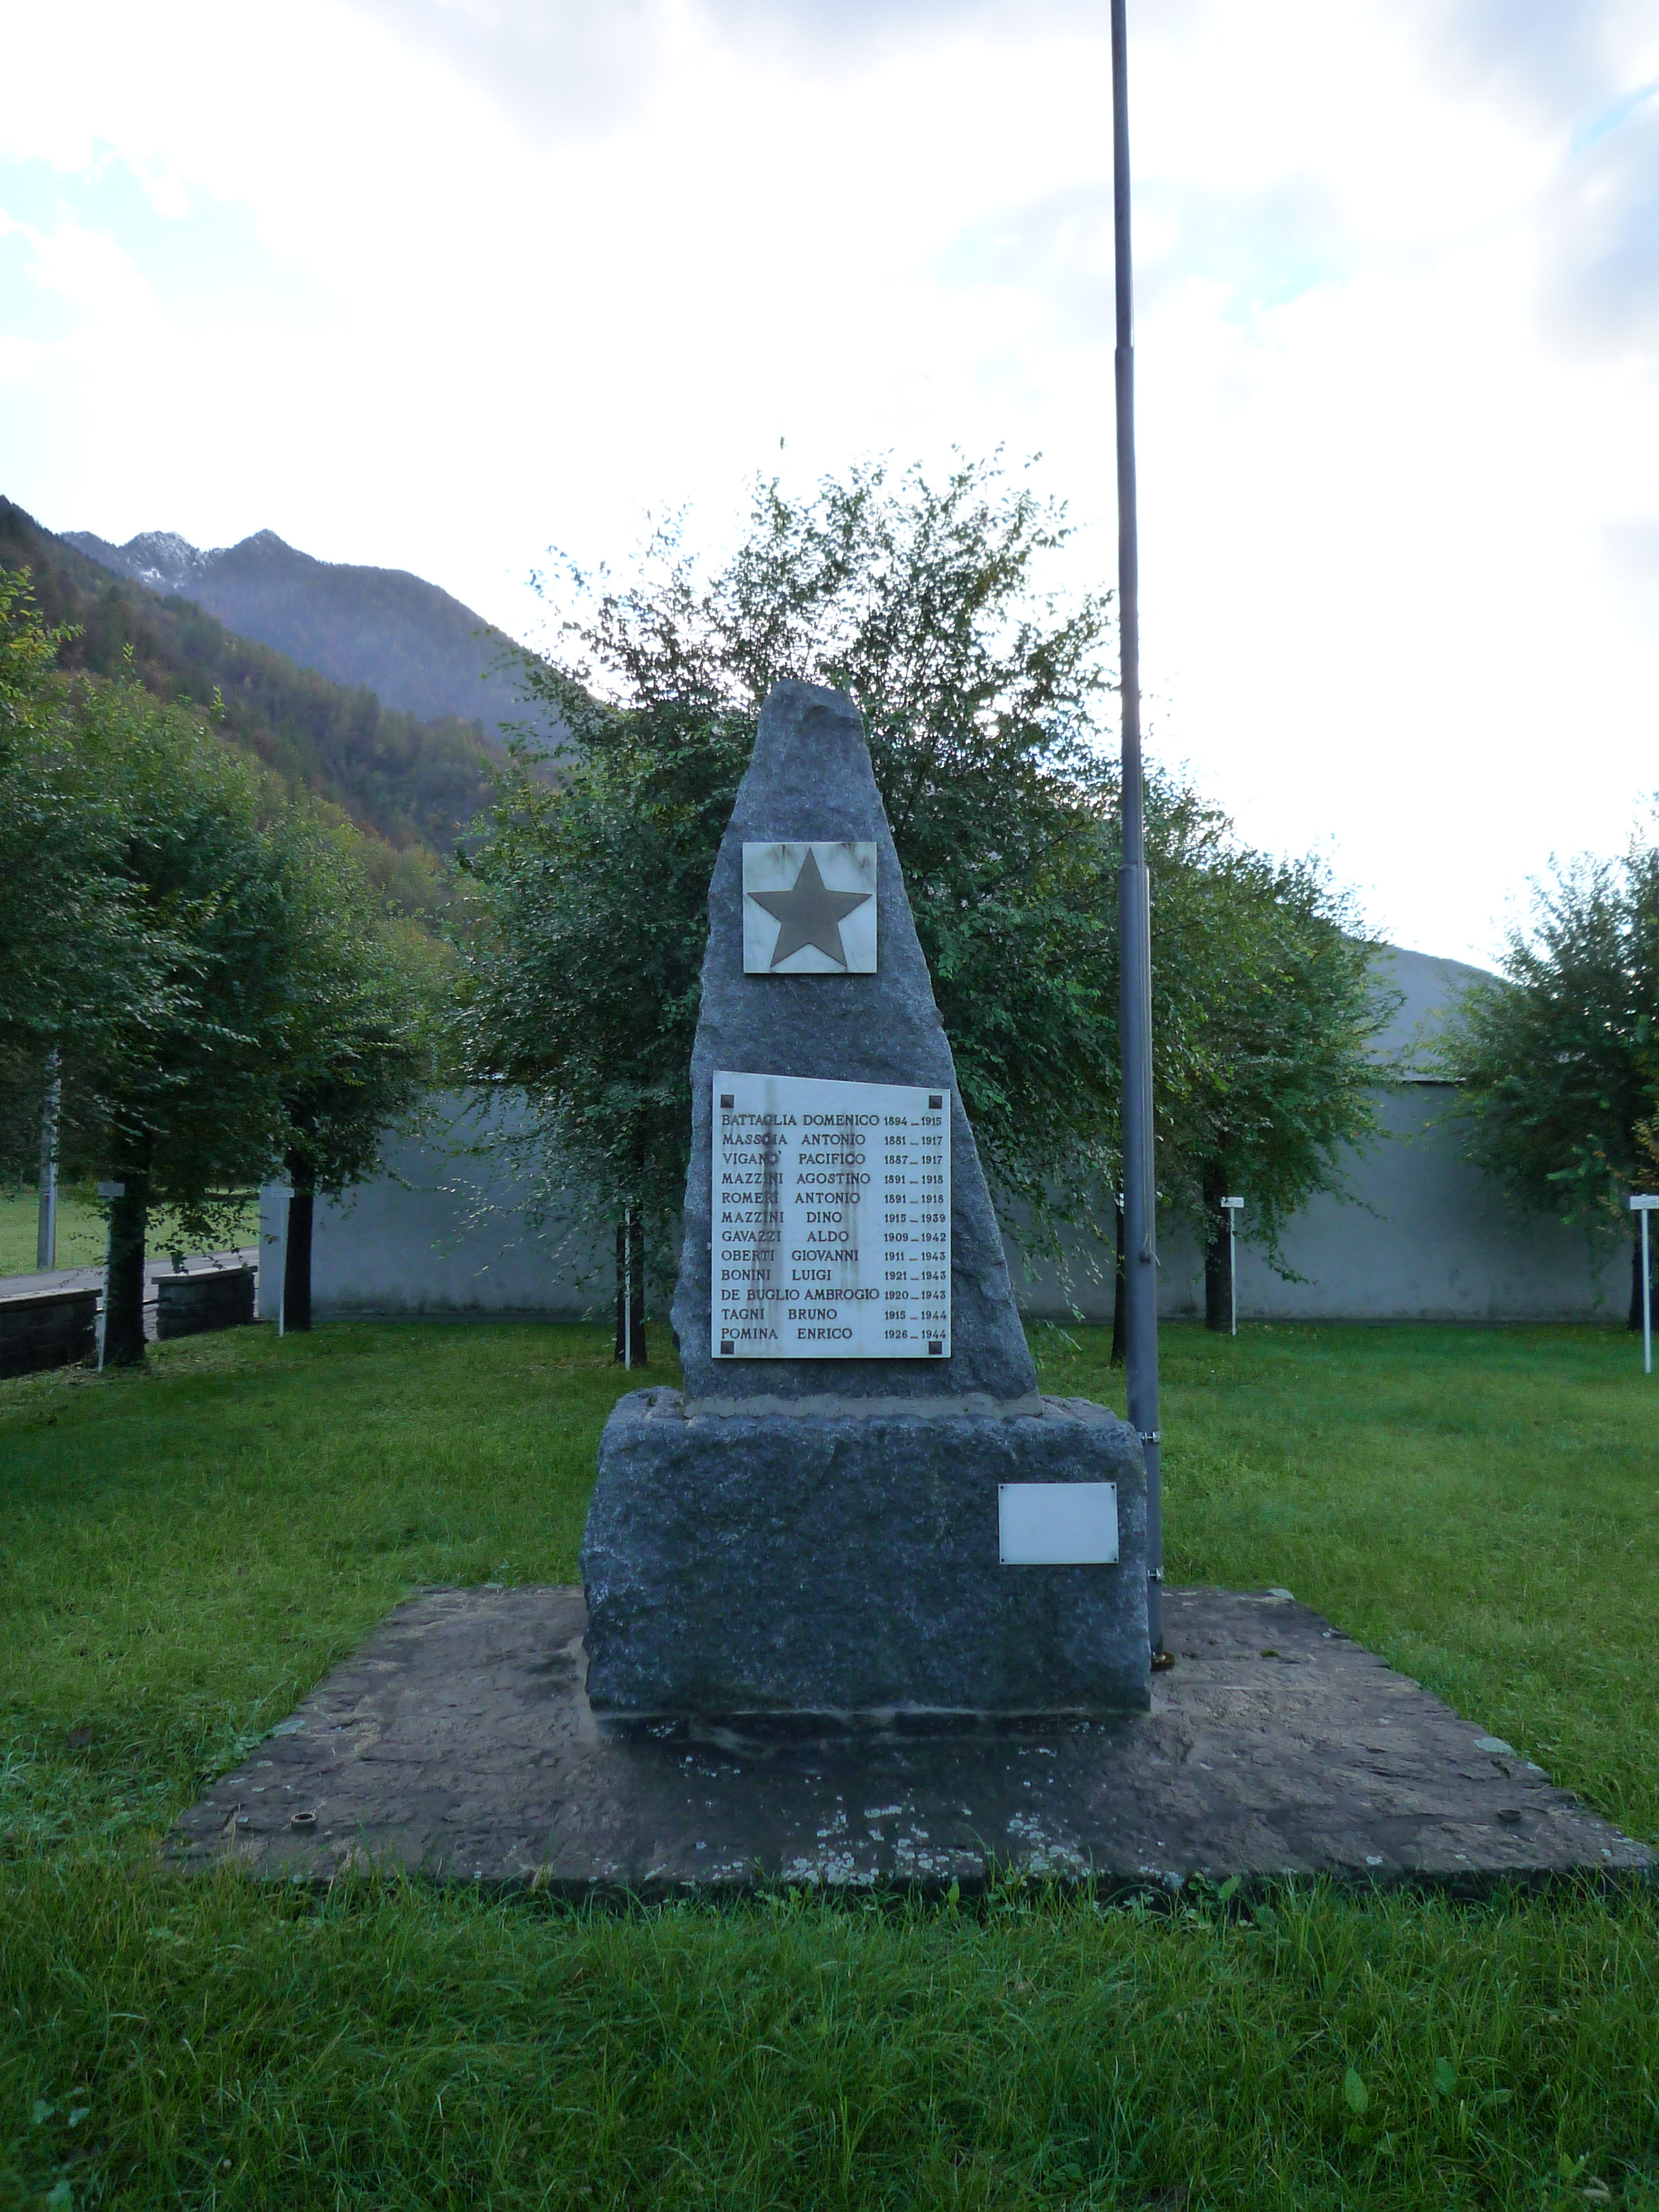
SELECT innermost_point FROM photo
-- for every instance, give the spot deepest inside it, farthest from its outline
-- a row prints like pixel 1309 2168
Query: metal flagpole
pixel 1645 1206
pixel 285 1192
pixel 1134 912
pixel 1232 1205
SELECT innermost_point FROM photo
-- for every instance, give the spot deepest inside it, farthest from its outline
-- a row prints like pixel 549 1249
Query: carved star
pixel 810 913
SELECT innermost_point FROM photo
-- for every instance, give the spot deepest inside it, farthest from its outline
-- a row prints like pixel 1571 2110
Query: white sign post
pixel 1230 1208
pixel 45 1232
pixel 1644 1207
pixel 107 1190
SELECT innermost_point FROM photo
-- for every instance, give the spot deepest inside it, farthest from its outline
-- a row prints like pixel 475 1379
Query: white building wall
pixel 442 1231
pixel 1421 1236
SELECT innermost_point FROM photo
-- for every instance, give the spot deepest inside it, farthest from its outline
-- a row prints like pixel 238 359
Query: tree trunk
pixel 630 1291
pixel 1120 1292
pixel 296 1245
pixel 1217 1255
pixel 124 1283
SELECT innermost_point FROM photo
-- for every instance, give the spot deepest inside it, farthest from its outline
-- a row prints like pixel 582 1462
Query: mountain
pixel 412 781
pixel 416 648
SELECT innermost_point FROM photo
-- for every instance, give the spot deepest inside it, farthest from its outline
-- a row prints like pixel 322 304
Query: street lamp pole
pixel 1134 910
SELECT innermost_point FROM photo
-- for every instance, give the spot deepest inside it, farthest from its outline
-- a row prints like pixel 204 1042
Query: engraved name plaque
pixel 831 1220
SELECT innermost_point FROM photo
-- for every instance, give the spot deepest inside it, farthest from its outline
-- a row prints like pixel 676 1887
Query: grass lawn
pixel 183 1553
pixel 83 1230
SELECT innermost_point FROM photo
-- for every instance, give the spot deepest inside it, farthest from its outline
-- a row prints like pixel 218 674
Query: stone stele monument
pixel 860 1509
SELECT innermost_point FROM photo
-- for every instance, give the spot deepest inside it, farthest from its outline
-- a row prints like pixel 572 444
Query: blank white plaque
pixel 1057 1524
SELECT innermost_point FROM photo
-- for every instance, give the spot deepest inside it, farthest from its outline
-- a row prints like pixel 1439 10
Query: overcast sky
pixel 437 283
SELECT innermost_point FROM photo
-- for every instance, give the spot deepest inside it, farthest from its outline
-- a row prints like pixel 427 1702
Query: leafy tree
pixel 982 696
pixel 77 963
pixel 1559 1059
pixel 1266 1011
pixel 210 963
pixel 181 1109
pixel 354 1044
pixel 977 693
pixel 275 1023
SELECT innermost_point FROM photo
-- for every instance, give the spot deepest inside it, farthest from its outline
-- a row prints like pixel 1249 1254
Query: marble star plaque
pixel 831 1219
pixel 809 909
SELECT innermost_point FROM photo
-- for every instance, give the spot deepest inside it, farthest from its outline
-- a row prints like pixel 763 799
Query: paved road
pixel 92 1279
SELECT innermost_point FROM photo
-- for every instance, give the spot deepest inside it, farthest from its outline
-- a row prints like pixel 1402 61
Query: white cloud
pixel 86 267
pixel 511 270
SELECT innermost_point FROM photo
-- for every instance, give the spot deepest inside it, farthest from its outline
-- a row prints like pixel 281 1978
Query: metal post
pixel 285 1192
pixel 45 1233
pixel 1134 912
pixel 628 1291
pixel 1231 1207
pixel 1645 1206
pixel 107 1190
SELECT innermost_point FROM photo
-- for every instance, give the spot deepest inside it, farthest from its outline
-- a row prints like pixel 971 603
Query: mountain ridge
pixel 413 781
pixel 418 648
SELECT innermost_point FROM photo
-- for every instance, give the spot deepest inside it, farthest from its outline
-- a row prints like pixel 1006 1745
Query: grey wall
pixel 1437 1244
pixel 1423 1237
pixel 442 1231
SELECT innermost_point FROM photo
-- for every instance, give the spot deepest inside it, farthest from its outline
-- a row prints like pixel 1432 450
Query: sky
pixel 441 284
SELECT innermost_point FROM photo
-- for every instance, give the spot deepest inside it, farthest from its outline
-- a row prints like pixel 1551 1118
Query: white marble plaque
pixel 830 1220
pixel 1057 1524
pixel 809 909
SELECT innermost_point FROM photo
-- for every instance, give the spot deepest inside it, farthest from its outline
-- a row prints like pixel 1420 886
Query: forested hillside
pixel 413 781
pixel 415 647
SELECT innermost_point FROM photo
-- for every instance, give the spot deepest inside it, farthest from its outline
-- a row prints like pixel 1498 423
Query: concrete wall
pixel 1438 1243
pixel 1424 1238
pixel 442 1231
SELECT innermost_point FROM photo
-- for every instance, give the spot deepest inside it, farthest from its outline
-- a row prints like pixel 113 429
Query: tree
pixel 982 696
pixel 181 1107
pixel 276 1022
pixel 1266 1014
pixel 208 960
pixel 353 1046
pixel 1559 1058
pixel 977 693
pixel 77 963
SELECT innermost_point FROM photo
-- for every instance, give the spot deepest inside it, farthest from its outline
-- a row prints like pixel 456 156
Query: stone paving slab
pixel 458 1741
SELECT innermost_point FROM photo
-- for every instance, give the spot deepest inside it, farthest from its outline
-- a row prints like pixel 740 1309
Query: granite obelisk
pixel 859 1506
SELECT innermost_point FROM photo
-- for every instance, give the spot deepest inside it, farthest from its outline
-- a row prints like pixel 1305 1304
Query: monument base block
pixel 843 1560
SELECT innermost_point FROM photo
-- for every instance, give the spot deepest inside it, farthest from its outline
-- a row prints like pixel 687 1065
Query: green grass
pixel 1479 1506
pixel 183 1553
pixel 83 1230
